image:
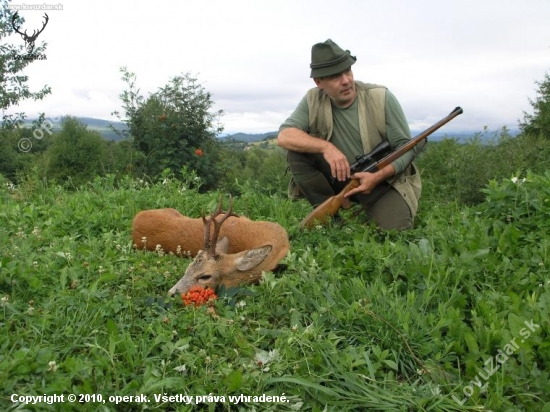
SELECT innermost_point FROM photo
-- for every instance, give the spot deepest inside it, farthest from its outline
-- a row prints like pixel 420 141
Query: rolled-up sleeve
pixel 299 118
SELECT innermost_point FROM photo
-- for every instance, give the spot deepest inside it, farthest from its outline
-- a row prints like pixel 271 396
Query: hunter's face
pixel 340 87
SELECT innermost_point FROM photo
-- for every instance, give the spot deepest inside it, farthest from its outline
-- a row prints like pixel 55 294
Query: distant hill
pixel 249 138
pixel 103 128
pixel 99 125
pixel 460 136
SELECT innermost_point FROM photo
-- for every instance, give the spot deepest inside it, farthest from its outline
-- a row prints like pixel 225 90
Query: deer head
pixel 214 266
pixel 29 40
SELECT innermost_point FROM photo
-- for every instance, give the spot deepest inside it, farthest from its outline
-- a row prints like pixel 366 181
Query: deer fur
pixel 246 248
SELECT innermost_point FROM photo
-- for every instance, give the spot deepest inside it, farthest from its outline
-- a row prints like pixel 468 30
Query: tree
pixel 75 153
pixel 173 128
pixel 13 59
pixel 538 124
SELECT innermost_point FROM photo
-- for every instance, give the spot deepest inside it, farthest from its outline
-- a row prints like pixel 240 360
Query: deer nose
pixel 173 291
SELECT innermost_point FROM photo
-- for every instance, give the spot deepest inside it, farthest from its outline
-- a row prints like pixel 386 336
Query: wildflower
pixel 159 250
pixel 198 296
pixel 4 301
pixel 518 181
pixel 182 369
pixel 52 366
pixel 262 358
pixel 198 152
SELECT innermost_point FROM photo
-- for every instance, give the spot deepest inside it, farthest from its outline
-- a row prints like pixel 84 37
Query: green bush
pixel 76 154
pixel 458 171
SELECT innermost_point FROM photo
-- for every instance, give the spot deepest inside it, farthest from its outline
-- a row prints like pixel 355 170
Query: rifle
pixel 370 162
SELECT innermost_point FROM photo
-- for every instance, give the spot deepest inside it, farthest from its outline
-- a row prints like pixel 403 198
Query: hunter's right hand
pixel 339 165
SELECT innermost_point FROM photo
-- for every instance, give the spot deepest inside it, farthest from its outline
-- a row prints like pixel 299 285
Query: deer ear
pixel 253 258
pixel 223 245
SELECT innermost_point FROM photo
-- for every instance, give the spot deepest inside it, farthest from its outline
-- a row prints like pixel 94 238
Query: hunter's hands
pixel 368 181
pixel 339 165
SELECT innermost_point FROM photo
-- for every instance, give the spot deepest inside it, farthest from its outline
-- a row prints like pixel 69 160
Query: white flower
pixel 436 390
pixel 514 179
pixel 159 250
pixel 52 366
pixel 263 357
pixel 182 369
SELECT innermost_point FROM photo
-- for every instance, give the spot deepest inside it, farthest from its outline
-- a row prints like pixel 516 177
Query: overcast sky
pixel 254 55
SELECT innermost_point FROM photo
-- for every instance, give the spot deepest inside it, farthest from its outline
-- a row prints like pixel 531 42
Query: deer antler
pixel 34 36
pixel 210 241
pixel 16 28
pixel 28 39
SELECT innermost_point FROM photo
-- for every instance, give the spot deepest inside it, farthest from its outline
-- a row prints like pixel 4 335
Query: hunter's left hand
pixel 367 182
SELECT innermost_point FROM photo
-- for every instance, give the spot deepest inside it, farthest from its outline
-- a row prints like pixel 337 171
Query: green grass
pixel 358 320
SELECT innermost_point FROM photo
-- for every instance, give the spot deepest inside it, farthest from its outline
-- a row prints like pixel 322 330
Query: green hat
pixel 328 58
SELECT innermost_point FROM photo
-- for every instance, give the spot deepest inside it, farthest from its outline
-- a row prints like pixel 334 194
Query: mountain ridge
pixel 104 127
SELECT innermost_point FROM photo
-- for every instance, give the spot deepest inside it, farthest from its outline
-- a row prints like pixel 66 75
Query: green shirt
pixel 346 135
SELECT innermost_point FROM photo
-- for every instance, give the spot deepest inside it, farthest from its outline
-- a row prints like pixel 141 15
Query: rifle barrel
pixel 417 139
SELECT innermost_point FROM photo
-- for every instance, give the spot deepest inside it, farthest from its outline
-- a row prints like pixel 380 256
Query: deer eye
pixel 204 277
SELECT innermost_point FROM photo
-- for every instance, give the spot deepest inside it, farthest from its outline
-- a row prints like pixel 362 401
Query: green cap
pixel 328 58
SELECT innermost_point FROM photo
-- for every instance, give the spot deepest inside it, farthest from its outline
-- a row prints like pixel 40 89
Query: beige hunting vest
pixel 372 126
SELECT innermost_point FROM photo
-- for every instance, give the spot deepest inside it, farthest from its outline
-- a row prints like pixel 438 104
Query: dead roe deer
pixel 246 248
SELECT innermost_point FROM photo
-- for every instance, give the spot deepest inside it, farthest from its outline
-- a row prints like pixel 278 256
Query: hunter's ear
pixel 253 257
pixel 223 245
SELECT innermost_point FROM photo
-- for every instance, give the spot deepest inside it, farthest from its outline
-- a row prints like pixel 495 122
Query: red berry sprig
pixel 197 295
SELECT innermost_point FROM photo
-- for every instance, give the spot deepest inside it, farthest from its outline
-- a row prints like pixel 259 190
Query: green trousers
pixel 384 205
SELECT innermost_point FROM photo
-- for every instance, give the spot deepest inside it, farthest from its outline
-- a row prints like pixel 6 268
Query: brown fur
pixel 248 242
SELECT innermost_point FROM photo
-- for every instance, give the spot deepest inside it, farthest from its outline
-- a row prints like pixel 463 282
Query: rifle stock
pixel 330 207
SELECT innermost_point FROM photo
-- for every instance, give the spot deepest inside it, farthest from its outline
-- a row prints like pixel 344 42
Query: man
pixel 338 120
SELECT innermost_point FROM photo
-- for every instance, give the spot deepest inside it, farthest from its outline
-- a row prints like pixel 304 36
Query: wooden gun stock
pixel 330 207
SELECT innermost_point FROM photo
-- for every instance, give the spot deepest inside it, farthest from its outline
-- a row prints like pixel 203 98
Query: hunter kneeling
pixel 338 120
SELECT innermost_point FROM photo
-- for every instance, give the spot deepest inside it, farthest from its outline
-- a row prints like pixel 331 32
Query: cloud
pixel 254 56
